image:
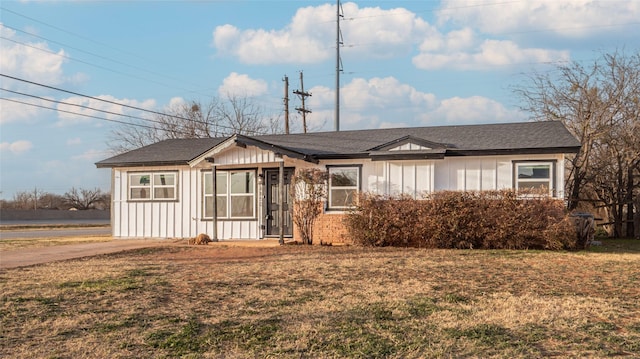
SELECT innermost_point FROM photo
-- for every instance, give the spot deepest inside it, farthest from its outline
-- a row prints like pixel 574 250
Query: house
pixel 165 190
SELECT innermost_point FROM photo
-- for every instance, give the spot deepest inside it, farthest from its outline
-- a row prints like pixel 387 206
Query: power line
pixel 102 67
pixel 98 66
pixel 123 105
pixel 93 98
pixel 95 55
pixel 81 106
pixel 91 116
pixel 75 113
pixel 71 33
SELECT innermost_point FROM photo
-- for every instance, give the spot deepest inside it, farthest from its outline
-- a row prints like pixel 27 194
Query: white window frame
pixel 331 187
pixel 227 197
pixel 550 180
pixel 152 186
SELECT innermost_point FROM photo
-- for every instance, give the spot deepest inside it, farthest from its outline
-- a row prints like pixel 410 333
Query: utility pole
pixel 286 104
pixel 302 109
pixel 336 120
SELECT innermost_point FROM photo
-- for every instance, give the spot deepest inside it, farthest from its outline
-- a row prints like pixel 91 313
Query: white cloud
pixel 475 109
pixel 387 93
pixel 175 102
pixel 574 18
pixel 30 60
pixel 13 112
pixel 387 102
pixel 310 36
pixel 17 147
pixel 91 155
pixel 83 108
pixel 74 141
pixel 375 33
pixel 486 55
pixel 242 85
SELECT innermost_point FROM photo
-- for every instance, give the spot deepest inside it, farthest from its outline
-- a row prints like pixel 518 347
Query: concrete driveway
pixel 30 256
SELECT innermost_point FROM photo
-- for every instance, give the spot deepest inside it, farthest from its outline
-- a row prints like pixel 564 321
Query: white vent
pixel 410 146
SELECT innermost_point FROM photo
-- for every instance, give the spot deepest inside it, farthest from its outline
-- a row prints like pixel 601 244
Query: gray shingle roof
pixel 522 137
pixel 167 152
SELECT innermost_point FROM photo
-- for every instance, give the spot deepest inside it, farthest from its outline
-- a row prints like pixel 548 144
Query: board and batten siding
pixel 398 177
pixel 182 218
pixel 488 173
pixel 155 219
pixel 414 178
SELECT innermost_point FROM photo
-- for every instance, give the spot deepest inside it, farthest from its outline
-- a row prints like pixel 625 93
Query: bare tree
pixel 23 200
pixel 51 201
pixel 83 199
pixel 309 187
pixel 26 200
pixel 218 118
pixel 241 116
pixel 599 104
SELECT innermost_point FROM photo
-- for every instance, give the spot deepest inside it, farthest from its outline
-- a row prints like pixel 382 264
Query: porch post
pixel 281 197
pixel 214 235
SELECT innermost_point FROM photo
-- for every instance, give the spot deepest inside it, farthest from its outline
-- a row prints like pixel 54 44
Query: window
pixel 344 184
pixel 534 176
pixel 235 194
pixel 154 186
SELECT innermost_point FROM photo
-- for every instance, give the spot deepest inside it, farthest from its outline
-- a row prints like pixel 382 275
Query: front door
pixel 273 203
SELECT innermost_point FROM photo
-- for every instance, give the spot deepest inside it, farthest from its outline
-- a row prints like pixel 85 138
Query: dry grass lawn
pixel 324 302
pixel 19 243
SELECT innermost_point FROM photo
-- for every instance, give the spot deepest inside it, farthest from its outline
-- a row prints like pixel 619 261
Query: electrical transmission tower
pixel 303 110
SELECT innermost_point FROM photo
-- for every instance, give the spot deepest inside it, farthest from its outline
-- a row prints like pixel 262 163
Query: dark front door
pixel 273 203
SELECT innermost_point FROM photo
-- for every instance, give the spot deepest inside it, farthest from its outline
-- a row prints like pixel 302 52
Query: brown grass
pixel 300 301
pixel 38 242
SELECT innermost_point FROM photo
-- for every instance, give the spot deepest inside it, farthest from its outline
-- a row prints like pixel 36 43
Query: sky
pixel 404 64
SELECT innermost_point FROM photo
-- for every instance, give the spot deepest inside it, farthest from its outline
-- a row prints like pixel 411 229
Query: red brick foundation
pixel 329 228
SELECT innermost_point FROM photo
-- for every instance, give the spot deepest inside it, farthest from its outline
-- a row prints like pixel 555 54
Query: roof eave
pixel 514 151
pixel 248 141
pixel 141 164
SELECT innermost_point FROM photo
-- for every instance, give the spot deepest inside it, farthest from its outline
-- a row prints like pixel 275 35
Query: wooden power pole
pixel 286 104
pixel 303 110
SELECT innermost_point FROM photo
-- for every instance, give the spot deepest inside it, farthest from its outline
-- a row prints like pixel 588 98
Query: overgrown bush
pixel 308 187
pixel 489 219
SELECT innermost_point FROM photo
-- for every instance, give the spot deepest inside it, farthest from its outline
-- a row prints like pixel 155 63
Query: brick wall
pixel 330 229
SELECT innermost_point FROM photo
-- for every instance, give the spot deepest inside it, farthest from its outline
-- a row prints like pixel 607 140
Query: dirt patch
pixel 236 251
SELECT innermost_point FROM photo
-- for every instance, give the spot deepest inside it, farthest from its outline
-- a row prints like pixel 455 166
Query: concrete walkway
pixel 30 256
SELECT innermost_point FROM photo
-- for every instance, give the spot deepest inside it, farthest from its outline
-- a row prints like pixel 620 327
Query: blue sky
pixel 406 63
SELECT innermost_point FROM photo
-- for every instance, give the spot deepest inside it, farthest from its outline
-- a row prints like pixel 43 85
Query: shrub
pixel 448 219
pixel 308 187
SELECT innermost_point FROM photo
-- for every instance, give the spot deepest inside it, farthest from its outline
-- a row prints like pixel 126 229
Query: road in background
pixel 55 232
pixel 53 222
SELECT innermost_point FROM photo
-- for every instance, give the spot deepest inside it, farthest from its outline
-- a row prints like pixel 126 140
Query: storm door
pixel 273 203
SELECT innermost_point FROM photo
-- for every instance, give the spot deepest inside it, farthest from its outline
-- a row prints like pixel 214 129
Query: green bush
pixel 448 219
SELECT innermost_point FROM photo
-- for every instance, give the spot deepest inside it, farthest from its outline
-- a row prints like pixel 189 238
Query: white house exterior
pixel 164 190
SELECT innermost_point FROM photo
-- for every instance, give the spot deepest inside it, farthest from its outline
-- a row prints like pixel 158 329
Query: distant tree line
pixel 75 198
pixel 600 105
